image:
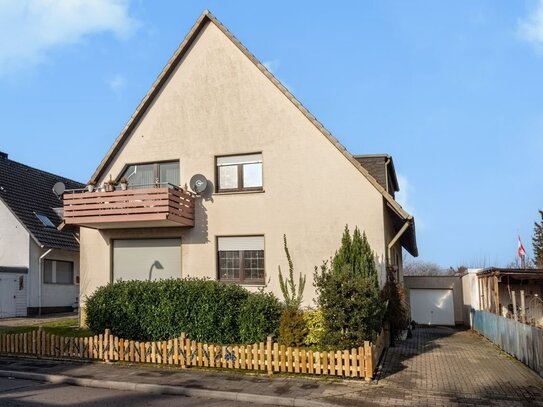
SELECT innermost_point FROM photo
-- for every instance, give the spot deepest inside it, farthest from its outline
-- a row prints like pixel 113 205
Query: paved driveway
pixel 442 366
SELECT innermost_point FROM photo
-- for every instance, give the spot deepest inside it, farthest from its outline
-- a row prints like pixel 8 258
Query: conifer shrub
pixel 349 295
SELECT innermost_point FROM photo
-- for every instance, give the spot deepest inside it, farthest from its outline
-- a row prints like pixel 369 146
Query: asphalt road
pixel 28 393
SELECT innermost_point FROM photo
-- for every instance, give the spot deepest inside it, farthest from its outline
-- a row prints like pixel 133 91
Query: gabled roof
pixel 205 18
pixel 27 191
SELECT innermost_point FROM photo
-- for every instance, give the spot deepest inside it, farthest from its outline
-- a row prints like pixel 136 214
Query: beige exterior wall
pixel 218 102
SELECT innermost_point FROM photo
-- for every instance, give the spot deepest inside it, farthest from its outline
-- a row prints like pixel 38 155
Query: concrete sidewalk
pixel 256 388
pixel 438 366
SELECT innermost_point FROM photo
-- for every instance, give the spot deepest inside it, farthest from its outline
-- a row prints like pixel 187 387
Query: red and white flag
pixel 520 251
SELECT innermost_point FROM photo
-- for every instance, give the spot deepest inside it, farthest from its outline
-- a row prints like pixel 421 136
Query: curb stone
pixel 166 389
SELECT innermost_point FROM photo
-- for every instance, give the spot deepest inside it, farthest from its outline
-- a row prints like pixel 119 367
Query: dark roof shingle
pixel 27 191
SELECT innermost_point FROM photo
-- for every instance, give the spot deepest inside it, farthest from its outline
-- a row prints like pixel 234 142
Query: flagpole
pixel 521 253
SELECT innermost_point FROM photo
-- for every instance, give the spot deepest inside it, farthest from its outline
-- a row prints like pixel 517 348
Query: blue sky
pixel 453 90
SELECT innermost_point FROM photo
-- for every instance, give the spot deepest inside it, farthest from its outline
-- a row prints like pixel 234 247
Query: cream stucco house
pixel 271 169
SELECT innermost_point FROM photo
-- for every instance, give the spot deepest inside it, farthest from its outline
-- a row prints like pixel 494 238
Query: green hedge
pixel 259 317
pixel 206 310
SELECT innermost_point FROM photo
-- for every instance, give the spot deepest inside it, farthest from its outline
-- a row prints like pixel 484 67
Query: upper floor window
pixel 58 272
pixel 147 175
pixel 239 173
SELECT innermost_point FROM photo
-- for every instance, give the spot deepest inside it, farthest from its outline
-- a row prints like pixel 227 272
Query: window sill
pixel 244 284
pixel 239 192
pixel 59 284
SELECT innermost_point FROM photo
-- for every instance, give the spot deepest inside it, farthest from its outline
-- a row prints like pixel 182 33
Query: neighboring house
pixel 271 169
pixel 39 264
pixel 511 293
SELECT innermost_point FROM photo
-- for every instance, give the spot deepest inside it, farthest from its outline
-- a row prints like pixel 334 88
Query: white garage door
pixel 146 259
pixel 432 307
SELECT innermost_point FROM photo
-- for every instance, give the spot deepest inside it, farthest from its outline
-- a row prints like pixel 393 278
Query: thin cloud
pixel 117 84
pixel 530 29
pixel 272 65
pixel 402 195
pixel 403 198
pixel 32 28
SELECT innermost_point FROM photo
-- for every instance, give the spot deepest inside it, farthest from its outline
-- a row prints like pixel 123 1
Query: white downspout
pixel 386 173
pixel 40 278
pixel 395 239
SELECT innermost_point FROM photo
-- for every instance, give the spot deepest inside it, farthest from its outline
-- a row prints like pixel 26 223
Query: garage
pixel 432 306
pixel 146 259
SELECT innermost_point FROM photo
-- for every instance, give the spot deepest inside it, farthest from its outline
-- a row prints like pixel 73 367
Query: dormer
pixel 381 167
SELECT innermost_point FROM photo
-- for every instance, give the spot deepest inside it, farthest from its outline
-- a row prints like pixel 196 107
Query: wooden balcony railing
pixel 149 207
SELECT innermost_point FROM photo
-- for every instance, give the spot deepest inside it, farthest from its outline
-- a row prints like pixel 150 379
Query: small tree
pixel 349 295
pixel 423 268
pixel 293 298
pixel 537 242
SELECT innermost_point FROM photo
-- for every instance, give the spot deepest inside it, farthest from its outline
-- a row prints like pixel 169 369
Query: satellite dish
pixel 198 183
pixel 59 188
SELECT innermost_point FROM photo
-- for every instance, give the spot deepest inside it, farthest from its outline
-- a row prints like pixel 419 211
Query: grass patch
pixel 67 327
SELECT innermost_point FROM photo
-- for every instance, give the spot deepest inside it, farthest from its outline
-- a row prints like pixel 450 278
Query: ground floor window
pixel 58 272
pixel 241 259
pixel 146 259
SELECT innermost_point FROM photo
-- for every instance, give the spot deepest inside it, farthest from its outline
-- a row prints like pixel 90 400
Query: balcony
pixel 131 208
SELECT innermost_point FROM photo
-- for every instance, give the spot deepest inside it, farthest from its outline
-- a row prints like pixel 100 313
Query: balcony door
pixel 146 259
pixel 146 175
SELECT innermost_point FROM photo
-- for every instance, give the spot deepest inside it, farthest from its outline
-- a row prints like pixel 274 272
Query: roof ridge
pixel 169 68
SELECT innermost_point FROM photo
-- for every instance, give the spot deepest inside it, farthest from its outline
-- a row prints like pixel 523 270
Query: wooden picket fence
pixel 266 356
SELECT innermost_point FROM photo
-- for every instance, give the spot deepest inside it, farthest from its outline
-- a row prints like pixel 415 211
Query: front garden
pixel 209 323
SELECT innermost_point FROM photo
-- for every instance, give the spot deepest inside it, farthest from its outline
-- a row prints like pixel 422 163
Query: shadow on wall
pixel 200 232
pixel 381 269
